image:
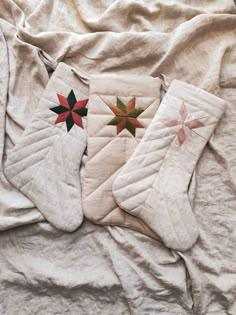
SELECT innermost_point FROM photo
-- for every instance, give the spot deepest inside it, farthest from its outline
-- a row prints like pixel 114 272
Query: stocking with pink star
pixel 153 185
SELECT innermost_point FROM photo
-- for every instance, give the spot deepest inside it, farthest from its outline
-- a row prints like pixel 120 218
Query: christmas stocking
pixel 119 111
pixel 153 185
pixel 45 163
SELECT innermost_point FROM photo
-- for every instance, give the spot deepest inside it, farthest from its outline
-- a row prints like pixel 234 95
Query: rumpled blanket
pixel 106 270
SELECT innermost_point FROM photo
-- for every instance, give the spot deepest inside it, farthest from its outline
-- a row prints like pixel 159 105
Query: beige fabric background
pixel 102 270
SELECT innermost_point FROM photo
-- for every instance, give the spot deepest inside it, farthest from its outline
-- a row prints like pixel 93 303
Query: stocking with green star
pixel 45 162
pixel 120 109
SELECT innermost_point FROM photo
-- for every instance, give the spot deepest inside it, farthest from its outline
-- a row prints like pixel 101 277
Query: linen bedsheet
pixel 106 270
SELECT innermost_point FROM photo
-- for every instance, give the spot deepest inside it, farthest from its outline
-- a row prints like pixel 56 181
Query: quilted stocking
pixel 120 109
pixel 153 185
pixel 45 163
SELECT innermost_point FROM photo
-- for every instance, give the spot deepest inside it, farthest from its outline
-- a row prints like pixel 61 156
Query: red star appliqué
pixel 70 110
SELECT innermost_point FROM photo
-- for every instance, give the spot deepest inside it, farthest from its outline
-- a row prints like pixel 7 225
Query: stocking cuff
pixel 129 85
pixel 197 97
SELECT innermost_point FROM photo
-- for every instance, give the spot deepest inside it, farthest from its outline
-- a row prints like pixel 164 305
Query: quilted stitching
pixel 106 145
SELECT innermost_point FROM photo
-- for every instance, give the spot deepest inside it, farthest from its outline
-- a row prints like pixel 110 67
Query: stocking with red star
pixel 153 185
pixel 45 162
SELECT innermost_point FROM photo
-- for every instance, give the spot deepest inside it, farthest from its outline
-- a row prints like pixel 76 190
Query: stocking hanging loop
pixel 82 75
pixel 49 62
pixel 165 82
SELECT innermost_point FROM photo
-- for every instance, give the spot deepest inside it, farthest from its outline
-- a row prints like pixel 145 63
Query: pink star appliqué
pixel 185 121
